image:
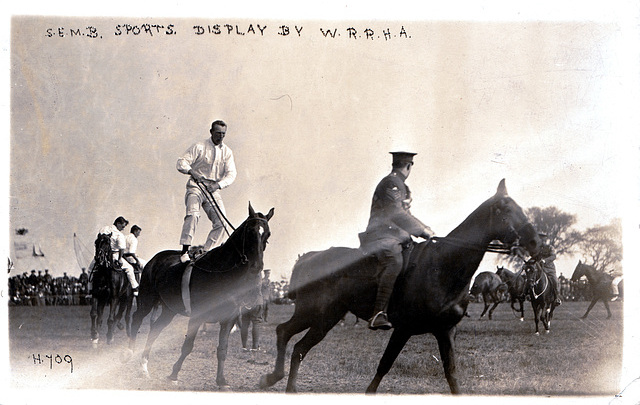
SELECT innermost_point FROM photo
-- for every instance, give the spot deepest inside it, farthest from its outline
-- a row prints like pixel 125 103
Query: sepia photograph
pixel 348 203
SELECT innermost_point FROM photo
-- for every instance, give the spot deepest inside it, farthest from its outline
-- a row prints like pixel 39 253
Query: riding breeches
pixel 553 278
pixel 389 255
pixel 194 200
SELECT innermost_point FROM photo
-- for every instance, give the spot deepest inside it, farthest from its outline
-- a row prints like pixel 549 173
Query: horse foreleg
pixel 591 305
pixel 284 332
pixel 521 301
pixel 536 317
pixel 187 346
pixel 223 343
pixel 111 320
pixel 94 320
pixel 394 347
pixel 606 305
pixel 446 345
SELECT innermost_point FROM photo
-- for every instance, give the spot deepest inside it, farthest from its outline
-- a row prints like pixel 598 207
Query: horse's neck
pixel 592 274
pixel 472 239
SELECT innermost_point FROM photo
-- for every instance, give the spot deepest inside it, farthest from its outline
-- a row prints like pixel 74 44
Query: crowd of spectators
pixel 40 288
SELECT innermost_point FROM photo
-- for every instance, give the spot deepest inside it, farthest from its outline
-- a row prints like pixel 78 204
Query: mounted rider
pixel 118 245
pixel 545 259
pixel 389 231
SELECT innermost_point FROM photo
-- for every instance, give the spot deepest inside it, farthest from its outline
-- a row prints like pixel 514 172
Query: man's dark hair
pixel 219 123
pixel 400 165
pixel 135 228
pixel 121 220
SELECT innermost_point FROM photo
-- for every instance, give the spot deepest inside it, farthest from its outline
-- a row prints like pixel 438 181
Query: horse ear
pixel 502 188
pixel 252 212
pixel 270 214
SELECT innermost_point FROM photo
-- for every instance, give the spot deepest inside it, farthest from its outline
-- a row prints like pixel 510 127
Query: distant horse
pixel 516 284
pixel 492 289
pixel 599 282
pixel 220 282
pixel 430 295
pixel 542 294
pixel 110 285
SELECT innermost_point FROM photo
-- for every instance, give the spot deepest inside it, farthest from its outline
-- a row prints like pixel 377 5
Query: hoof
pixel 521 319
pixel 537 333
pixel 94 343
pixel 225 388
pixel 547 331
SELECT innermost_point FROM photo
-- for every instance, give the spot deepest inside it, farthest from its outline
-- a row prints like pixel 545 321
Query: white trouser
pixel 194 199
pixel 125 266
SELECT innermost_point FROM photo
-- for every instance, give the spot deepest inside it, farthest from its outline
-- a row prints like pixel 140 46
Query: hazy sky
pixel 98 123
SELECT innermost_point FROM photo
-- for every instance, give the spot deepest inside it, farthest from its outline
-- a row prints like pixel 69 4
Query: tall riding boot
pixel 385 288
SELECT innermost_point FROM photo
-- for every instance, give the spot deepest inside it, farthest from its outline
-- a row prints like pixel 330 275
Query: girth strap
pixel 186 296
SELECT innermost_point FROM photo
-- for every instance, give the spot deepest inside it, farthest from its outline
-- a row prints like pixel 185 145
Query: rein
pixel 491 247
pixel 213 202
pixel 546 284
pixel 243 257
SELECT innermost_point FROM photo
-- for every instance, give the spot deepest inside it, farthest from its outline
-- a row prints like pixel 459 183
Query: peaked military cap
pixel 403 157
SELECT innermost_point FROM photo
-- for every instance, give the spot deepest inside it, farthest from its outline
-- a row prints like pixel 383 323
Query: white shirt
pixel 118 241
pixel 214 162
pixel 132 244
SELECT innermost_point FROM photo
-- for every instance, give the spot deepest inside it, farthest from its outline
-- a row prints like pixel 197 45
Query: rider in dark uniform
pixel 389 231
pixel 545 257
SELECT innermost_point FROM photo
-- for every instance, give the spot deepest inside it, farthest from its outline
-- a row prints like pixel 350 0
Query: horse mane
pixel 103 255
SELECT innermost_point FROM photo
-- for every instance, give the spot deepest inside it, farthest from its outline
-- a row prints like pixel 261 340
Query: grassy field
pixel 494 357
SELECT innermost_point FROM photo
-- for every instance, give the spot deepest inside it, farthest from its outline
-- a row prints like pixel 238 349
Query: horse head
pixel 255 235
pixel 579 271
pixel 509 224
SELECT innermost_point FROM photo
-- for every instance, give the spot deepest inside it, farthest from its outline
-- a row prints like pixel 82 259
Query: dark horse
pixel 516 284
pixel 430 295
pixel 220 282
pixel 542 294
pixel 492 289
pixel 599 282
pixel 110 285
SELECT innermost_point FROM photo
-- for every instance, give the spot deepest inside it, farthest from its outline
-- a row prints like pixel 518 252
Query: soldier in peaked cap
pixel 389 232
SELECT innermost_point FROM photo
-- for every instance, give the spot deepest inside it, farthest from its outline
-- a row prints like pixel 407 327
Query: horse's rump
pixel 334 262
pixel 165 271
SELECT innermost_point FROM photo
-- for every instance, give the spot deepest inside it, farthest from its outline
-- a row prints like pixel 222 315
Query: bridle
pixel 242 254
pixel 533 285
pixel 500 248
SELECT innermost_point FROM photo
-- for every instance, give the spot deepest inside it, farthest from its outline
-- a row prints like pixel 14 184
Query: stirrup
pixel 380 321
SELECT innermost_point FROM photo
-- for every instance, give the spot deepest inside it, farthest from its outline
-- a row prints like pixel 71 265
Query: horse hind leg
pixel 284 332
pixel 187 346
pixel 163 320
pixel 316 333
pixel 591 305
pixel 394 347
pixel 493 308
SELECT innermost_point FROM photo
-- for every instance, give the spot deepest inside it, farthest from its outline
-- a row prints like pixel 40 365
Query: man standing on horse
pixel 389 232
pixel 211 167
pixel 118 245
